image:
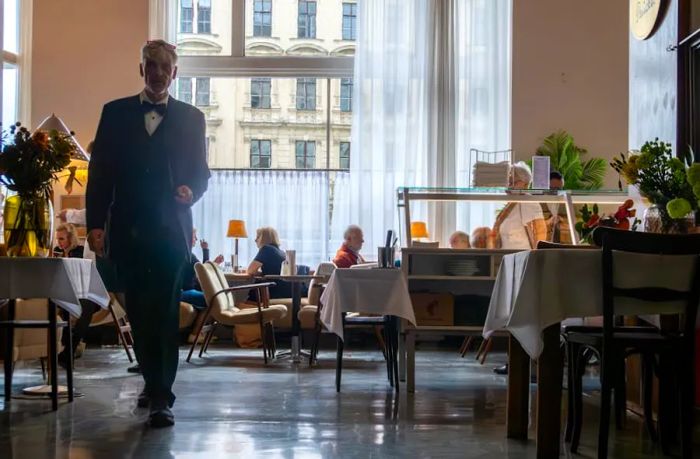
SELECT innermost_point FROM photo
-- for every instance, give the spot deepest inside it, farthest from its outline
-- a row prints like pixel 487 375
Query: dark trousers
pixel 81 326
pixel 151 281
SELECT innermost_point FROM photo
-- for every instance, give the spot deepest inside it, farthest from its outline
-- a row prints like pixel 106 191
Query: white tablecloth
pixel 538 288
pixel 370 291
pixel 63 280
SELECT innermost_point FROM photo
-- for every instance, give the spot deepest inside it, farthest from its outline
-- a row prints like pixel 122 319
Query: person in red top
pixel 349 253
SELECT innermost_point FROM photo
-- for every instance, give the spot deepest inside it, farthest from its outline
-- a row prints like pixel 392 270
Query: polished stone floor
pixel 231 405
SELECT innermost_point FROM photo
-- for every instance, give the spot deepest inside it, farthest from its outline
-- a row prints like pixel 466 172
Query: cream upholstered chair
pixel 30 343
pixel 310 311
pixel 221 309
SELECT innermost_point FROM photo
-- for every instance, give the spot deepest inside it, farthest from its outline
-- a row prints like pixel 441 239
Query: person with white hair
pixel 349 253
pixel 148 167
pixel 519 225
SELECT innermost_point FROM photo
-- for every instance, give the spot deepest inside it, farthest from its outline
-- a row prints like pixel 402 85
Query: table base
pixel 44 391
pixel 295 354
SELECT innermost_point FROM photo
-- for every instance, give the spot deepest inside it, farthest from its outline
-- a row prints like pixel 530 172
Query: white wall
pixel 570 71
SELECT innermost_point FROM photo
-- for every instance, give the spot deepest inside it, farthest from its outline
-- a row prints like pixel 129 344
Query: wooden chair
pixel 674 349
pixel 221 309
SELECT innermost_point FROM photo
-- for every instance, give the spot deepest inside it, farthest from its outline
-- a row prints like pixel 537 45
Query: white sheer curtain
pixel 432 79
pixel 295 203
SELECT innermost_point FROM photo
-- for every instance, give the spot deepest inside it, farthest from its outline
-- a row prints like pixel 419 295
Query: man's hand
pixel 62 215
pixel 96 241
pixel 219 259
pixel 183 195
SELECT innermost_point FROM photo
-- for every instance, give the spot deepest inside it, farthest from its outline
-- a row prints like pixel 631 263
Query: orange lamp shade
pixel 419 229
pixel 236 228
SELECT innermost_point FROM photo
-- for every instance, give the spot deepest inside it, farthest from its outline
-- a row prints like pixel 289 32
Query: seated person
pixel 480 237
pixel 349 253
pixel 68 247
pixel 268 261
pixel 519 225
pixel 459 240
pixel 555 214
pixel 191 290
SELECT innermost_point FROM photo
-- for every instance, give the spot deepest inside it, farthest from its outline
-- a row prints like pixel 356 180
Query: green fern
pixel 565 157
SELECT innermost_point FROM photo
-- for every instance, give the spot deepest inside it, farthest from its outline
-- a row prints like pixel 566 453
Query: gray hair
pixel 351 229
pixel 521 172
pixel 153 48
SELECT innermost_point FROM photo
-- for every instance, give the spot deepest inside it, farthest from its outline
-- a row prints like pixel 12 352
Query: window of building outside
pixel 306 93
pixel 346 95
pixel 305 154
pixel 186 16
pixel 349 18
pixel 262 18
pixel 202 92
pixel 260 154
pixel 204 17
pixel 307 19
pixel 260 92
pixel 184 90
pixel 344 155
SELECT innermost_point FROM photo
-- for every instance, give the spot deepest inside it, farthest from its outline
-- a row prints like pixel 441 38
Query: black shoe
pixel 160 416
pixel 134 369
pixel 501 370
pixel 143 400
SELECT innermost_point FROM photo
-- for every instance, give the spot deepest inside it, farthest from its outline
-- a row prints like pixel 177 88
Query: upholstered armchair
pixel 221 309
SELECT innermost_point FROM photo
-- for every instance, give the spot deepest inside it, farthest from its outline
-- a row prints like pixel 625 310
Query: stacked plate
pixel 462 267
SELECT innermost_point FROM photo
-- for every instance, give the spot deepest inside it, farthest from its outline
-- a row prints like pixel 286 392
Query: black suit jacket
pixel 133 177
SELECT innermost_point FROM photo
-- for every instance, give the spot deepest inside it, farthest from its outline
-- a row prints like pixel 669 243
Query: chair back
pixel 543 245
pixel 212 280
pixel 325 268
pixel 656 273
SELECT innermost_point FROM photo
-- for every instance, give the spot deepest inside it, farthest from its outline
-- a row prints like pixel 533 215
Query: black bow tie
pixel 146 106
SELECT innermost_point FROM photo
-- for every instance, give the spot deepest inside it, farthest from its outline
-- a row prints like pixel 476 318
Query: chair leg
pixel 9 345
pixel 394 351
pixel 620 394
pixel 53 354
pixel 487 349
pixel 196 336
pixel 338 364
pixel 465 345
pixel 647 391
pixel 667 420
pixel 606 382
pixel 264 341
pixel 120 333
pixel 207 336
pixel 570 392
pixel 481 348
pixel 576 388
pixel 69 364
pixel 685 368
pixel 42 362
pixel 314 346
pixel 380 339
pixel 207 339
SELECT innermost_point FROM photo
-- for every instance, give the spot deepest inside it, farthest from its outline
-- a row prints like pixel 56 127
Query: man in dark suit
pixel 147 168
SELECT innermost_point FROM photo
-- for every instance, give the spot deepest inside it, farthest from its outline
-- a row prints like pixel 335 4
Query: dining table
pixel 534 292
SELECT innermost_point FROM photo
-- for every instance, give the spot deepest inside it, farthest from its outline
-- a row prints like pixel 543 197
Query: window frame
pixel 308 25
pixel 181 18
pixel 263 13
pixel 352 22
pixel 305 154
pixel 309 101
pixel 260 156
pixel 261 83
pixel 347 98
pixel 198 92
pixel 341 144
pixel 200 23
pixel 185 82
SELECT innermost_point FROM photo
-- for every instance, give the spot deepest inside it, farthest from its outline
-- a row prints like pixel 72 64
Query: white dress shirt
pixel 152 118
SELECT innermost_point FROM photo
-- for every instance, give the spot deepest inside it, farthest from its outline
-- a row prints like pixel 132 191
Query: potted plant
pixel 666 182
pixel 28 166
pixel 566 157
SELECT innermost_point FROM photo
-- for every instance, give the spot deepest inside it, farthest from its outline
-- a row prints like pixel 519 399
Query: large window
pixel 306 24
pixel 204 17
pixel 260 92
pixel 344 155
pixel 262 18
pixel 349 18
pixel 306 94
pixel 305 154
pixel 186 16
pixel 260 154
pixel 346 95
pixel 10 78
pixel 288 93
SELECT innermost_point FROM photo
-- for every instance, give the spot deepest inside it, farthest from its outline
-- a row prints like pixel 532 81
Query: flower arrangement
pixel 591 219
pixel 29 163
pixel 662 179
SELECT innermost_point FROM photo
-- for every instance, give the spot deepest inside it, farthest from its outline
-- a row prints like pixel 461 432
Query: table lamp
pixel 236 229
pixel 52 123
pixel 419 230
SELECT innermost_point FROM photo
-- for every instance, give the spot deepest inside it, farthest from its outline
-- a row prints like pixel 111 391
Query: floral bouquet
pixel 29 163
pixel 664 180
pixel 591 219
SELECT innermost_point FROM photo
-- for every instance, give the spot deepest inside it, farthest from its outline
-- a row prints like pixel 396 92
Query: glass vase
pixel 657 220
pixel 28 226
